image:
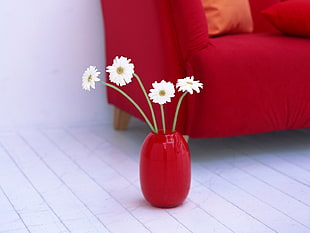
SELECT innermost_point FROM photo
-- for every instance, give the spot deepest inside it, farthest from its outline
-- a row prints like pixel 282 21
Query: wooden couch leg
pixel 121 119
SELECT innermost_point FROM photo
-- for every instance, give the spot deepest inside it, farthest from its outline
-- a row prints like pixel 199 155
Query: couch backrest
pixel 260 23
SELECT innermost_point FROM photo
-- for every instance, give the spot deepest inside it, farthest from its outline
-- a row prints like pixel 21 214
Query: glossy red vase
pixel 165 169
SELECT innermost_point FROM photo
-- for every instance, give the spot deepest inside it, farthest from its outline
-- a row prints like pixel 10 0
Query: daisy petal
pixel 189 84
pixel 121 71
pixel 90 77
pixel 162 92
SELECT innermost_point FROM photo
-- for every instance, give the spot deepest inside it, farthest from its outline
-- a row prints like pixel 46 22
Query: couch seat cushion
pixel 252 79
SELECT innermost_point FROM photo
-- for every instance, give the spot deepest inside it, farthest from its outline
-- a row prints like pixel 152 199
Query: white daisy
pixel 121 71
pixel 89 78
pixel 189 84
pixel 162 92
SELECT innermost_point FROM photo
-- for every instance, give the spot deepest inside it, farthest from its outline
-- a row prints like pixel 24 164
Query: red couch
pixel 253 82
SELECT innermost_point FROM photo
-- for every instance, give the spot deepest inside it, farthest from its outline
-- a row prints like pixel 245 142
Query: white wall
pixel 45 45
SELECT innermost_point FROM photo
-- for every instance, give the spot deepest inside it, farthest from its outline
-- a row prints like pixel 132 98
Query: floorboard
pixel 86 180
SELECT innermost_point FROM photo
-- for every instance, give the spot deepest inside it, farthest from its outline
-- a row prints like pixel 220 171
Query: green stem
pixel 148 101
pixel 163 117
pixel 132 101
pixel 177 111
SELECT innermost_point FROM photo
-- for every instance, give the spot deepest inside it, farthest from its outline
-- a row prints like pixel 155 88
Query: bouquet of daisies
pixel 121 72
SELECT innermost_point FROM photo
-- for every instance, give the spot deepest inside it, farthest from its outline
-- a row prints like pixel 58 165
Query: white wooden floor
pixel 86 180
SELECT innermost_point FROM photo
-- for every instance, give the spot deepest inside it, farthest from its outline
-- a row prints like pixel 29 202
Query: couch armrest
pixel 166 30
pixel 142 30
pixel 190 24
pixel 158 35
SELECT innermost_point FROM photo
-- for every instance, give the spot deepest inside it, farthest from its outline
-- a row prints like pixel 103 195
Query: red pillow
pixel 290 17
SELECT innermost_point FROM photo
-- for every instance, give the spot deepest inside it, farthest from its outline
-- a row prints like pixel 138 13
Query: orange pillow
pixel 228 16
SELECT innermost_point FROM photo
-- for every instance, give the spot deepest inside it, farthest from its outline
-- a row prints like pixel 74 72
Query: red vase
pixel 165 169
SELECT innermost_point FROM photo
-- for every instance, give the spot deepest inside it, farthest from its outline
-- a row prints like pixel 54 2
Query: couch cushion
pixel 260 23
pixel 228 16
pixel 290 17
pixel 254 83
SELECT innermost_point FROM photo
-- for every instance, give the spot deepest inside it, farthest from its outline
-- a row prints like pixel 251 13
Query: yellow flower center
pixel 162 93
pixel 190 83
pixel 120 70
pixel 89 78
